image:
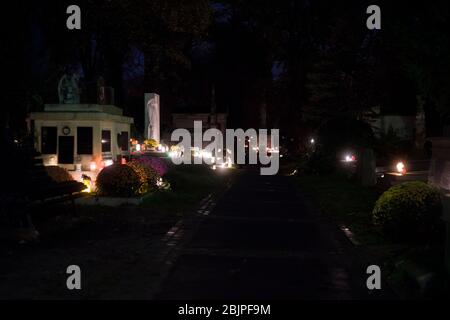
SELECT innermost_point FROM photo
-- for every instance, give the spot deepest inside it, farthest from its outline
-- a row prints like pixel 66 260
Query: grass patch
pixel 345 203
pixel 189 185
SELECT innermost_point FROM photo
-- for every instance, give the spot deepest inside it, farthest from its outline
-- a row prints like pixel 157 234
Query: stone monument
pixel 152 117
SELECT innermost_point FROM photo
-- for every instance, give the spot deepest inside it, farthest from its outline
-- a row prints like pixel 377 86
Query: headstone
pixel 420 134
pixel 439 176
pixel 152 116
pixel 367 168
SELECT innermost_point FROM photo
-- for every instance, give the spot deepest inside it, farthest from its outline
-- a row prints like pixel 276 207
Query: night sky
pixel 274 53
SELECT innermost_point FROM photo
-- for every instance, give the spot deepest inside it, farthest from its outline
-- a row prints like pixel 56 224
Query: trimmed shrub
pixel 118 180
pixel 147 176
pixel 157 164
pixel 408 210
pixel 58 174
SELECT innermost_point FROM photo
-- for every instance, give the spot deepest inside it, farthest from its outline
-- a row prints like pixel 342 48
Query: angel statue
pixel 68 90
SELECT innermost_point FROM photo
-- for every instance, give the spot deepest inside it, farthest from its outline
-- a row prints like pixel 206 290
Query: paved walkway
pixel 263 241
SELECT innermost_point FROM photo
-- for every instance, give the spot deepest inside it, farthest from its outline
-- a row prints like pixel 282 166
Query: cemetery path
pixel 264 240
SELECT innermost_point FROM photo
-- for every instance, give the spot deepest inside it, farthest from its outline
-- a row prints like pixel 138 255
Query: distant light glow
pixel 401 168
pixel 173 154
pixel 52 161
pixel 205 154
pixel 138 147
pixel 227 164
pixel 350 158
pixel 93 166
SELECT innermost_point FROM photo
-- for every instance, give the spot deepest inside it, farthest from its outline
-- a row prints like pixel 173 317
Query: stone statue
pixel 68 89
pixel 152 117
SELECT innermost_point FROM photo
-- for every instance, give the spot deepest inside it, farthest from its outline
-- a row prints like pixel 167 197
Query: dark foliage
pixel 118 180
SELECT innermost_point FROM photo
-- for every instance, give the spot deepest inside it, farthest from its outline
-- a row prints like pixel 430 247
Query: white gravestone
pixel 152 117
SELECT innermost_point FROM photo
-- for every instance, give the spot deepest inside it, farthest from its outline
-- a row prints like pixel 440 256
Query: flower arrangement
pixel 156 164
pixel 151 143
pixel 147 176
pixel 118 180
pixel 58 174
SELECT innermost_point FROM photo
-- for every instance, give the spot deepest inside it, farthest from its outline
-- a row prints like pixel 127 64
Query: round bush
pixel 58 174
pixel 118 180
pixel 408 210
pixel 147 176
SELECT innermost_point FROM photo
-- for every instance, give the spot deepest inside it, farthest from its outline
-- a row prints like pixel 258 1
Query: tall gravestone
pixel 420 132
pixel 367 168
pixel 152 116
pixel 439 176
